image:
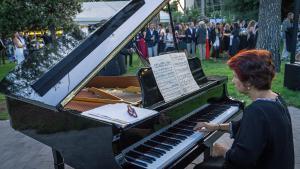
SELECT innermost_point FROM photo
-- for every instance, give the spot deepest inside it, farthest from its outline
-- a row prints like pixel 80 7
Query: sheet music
pixel 165 77
pixel 173 75
pixel 183 72
pixel 117 114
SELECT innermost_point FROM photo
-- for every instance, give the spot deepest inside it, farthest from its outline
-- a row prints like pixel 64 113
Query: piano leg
pixel 58 160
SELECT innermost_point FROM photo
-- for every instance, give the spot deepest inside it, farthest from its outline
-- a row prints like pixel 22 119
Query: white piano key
pixel 188 143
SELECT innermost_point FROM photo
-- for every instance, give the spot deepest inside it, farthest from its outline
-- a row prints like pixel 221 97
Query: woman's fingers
pixel 201 126
pixel 205 127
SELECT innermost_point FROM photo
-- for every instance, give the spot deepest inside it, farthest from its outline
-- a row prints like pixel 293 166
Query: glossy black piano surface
pixel 47 94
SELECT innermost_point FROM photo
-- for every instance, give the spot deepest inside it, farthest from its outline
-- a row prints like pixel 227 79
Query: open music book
pixel 173 75
pixel 118 114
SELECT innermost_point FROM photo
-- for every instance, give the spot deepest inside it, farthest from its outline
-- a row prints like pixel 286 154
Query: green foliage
pixel 215 14
pixel 229 18
pixel 22 15
pixel 192 14
pixel 242 9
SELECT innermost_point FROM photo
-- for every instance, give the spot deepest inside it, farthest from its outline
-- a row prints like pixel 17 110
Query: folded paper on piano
pixel 118 114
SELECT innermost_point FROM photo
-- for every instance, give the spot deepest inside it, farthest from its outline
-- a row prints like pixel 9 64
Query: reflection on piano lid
pixel 51 78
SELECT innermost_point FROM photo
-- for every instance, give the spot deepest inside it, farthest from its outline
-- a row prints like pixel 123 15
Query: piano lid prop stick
pixel 103 93
pixel 96 100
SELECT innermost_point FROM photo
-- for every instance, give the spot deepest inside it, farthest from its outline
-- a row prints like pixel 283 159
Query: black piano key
pixel 189 120
pixel 172 139
pixel 207 114
pixel 132 166
pixel 148 150
pixel 136 162
pixel 158 145
pixel 181 132
pixel 184 127
pixel 166 140
pixel 208 117
pixel 188 123
pixel 157 150
pixel 171 135
pixel 140 157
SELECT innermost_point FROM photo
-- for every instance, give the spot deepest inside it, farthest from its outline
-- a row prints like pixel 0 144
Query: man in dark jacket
pixel 190 35
pixel 201 39
pixel 152 39
pixel 287 34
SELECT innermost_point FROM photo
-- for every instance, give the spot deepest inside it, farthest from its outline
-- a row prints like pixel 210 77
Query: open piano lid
pixel 51 78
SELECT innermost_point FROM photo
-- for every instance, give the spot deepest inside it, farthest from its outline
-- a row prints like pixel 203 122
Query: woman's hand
pixel 219 150
pixel 206 127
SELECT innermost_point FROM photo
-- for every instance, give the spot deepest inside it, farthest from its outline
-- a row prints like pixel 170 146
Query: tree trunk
pixel 202 8
pixel 269 28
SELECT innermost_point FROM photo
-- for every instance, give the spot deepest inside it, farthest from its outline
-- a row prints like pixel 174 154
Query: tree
pixel 23 15
pixel 11 19
pixel 242 9
pixel 269 28
pixel 55 13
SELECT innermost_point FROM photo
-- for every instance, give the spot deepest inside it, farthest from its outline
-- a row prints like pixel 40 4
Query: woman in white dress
pixel 19 48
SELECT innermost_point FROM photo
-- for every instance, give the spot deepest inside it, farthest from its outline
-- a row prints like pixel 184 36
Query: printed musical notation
pixel 173 75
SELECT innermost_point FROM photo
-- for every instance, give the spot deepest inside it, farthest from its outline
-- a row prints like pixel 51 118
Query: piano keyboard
pixel 166 145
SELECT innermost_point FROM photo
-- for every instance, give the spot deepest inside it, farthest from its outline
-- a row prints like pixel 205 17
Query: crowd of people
pixel 208 38
pixel 204 39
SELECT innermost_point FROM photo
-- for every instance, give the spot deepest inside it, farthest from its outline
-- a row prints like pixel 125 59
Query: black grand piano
pixel 47 94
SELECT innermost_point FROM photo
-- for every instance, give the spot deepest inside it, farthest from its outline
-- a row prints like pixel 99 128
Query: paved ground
pixel 18 151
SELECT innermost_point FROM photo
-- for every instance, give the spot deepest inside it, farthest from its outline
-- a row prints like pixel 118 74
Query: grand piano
pixel 47 94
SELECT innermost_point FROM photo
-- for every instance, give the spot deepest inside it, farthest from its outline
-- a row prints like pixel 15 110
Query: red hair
pixel 255 67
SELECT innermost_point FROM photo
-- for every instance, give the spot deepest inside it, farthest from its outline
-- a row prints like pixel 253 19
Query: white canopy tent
pixel 164 17
pixel 94 12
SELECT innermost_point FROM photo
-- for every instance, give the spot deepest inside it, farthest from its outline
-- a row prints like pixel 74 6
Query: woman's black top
pixel 226 40
pixel 251 43
pixel 263 138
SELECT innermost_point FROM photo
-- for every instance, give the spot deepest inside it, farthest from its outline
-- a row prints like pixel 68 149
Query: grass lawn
pixel 209 67
pixel 4 69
